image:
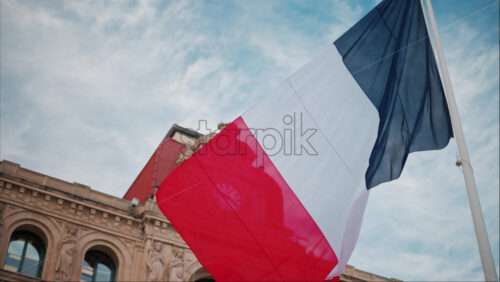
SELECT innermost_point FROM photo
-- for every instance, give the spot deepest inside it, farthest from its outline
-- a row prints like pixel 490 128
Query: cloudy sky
pixel 89 89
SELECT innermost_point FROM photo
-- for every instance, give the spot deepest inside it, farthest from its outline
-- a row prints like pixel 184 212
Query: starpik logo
pixel 289 138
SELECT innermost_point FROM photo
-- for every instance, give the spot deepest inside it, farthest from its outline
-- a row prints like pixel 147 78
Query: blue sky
pixel 89 89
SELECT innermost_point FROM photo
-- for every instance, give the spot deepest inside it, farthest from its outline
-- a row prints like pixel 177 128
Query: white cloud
pixel 89 89
pixel 346 16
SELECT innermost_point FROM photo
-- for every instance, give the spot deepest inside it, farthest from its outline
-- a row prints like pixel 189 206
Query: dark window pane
pixel 31 260
pixel 25 254
pixel 87 272
pixel 16 246
pixel 14 253
pixel 103 273
pixel 97 267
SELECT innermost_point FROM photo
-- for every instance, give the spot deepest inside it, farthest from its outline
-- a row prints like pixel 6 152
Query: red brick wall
pixel 161 163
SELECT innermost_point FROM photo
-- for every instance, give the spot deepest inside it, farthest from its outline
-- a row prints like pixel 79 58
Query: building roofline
pixel 186 131
pixel 14 171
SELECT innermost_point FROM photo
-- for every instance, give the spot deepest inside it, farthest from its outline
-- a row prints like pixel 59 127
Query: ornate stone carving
pixel 177 265
pixel 156 262
pixel 67 253
pixel 202 140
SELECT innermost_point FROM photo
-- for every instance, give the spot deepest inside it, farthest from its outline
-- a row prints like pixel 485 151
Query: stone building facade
pixel 51 229
pixel 71 220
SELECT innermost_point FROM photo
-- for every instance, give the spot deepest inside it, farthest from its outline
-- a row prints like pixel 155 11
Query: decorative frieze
pixel 104 219
pixel 156 261
pixel 92 216
pixel 117 222
pixel 60 204
pixel 67 253
pixel 79 211
pixel 176 266
pixel 8 187
pixel 50 202
pixel 78 220
pixel 47 200
pixel 39 198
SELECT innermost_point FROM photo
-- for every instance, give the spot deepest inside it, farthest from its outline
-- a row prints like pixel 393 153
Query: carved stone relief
pixel 177 265
pixel 156 262
pixel 75 224
pixel 66 253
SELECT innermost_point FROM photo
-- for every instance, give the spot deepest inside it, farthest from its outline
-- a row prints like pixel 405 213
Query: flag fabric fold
pixel 389 54
pixel 279 193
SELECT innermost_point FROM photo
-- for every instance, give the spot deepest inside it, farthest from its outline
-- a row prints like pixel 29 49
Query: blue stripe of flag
pixel 389 54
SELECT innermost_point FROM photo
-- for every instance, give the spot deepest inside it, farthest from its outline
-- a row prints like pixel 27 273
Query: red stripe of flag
pixel 239 216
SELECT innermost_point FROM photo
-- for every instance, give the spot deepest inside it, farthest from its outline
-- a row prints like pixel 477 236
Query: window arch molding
pixel 25 254
pixel 97 259
pixel 23 221
pixel 108 246
pixel 198 272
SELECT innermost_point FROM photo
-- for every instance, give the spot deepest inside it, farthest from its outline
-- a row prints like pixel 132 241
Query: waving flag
pixel 279 193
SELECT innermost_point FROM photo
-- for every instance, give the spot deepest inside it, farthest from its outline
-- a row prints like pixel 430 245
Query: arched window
pixel 201 275
pixel 25 254
pixel 97 266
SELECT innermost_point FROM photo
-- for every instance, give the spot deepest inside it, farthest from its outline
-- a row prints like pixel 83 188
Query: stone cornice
pixel 7 183
pixel 90 209
pixel 55 185
pixel 147 224
pixel 66 209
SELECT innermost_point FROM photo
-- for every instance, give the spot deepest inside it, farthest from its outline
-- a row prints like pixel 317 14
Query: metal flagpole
pixel 475 206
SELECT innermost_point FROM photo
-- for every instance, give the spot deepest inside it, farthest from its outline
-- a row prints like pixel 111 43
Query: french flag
pixel 279 193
